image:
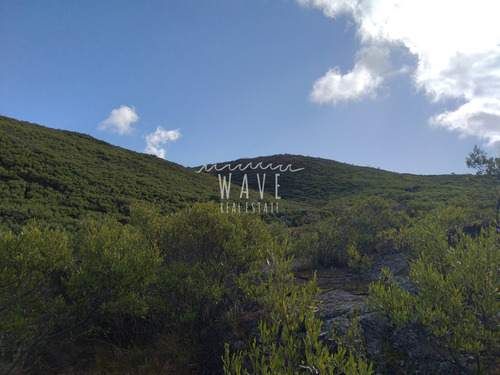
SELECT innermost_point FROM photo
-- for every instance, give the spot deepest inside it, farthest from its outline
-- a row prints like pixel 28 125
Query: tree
pixel 484 165
pixel 489 169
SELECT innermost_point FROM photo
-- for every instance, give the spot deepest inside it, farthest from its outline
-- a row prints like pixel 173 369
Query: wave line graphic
pixel 250 165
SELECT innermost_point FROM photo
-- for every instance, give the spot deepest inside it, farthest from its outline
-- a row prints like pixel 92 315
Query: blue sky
pixel 388 84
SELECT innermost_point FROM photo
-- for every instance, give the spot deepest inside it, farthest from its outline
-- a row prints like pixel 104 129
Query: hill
pixel 166 292
pixel 58 176
pixel 321 182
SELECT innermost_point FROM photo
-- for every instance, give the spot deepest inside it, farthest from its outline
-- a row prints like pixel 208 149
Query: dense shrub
pixel 113 285
pixel 32 265
pixel 204 253
pixel 113 279
pixel 289 335
pixel 456 308
pixel 361 224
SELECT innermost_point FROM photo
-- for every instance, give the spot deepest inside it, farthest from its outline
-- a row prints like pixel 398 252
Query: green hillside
pixel 57 176
pixel 321 182
pixel 177 288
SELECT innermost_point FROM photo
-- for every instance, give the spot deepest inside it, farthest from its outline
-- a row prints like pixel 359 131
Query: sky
pixel 404 86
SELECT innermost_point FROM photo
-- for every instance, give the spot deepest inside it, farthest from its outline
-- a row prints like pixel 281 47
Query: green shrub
pixel 456 310
pixel 115 271
pixel 362 223
pixel 204 253
pixel 32 265
pixel 289 336
pixel 326 244
pixel 357 261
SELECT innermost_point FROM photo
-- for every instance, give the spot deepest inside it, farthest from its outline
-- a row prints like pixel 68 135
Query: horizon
pixel 214 165
pixel 406 88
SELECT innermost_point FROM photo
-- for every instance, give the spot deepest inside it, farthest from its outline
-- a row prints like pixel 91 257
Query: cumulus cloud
pixel 120 120
pixel 456 45
pixel 361 82
pixel 158 138
pixel 478 117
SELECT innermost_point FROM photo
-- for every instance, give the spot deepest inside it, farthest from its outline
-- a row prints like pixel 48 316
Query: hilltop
pixel 59 176
pixel 321 182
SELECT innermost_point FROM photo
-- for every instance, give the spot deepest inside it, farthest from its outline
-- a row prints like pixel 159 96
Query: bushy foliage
pixel 430 231
pixel 456 309
pixel 32 265
pixel 222 241
pixel 115 271
pixel 118 284
pixel 361 224
pixel 204 253
pixel 289 340
pixel 357 261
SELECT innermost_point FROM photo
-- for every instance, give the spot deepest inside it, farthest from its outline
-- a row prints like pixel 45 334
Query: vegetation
pixel 455 310
pixel 59 177
pixel 113 262
pixel 354 231
pixel 118 283
pixel 32 268
pixel 488 170
pixel 205 254
pixel 322 183
pixel 289 337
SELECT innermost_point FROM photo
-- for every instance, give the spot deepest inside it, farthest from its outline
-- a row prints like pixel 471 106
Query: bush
pixel 204 253
pixel 456 310
pixel 114 274
pixel 32 266
pixel 357 261
pixel 289 337
pixel 362 223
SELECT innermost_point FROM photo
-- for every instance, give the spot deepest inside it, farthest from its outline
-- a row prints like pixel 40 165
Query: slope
pixel 321 182
pixel 58 176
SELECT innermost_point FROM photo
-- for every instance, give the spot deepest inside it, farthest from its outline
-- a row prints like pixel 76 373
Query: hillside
pixel 58 176
pixel 154 292
pixel 322 182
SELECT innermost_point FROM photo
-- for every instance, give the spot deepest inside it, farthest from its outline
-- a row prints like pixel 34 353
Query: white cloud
pixel 332 8
pixel 478 117
pixel 361 82
pixel 457 49
pixel 120 120
pixel 158 138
